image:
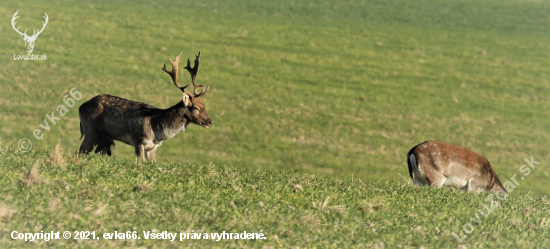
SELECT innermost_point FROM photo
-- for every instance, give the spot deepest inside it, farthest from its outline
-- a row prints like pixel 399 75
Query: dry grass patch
pixel 56 157
pixel 373 205
pixel 32 176
pixel 6 212
pixel 324 206
pixel 53 204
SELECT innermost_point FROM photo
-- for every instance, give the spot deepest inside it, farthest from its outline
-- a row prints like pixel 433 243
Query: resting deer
pixel 106 118
pixel 444 165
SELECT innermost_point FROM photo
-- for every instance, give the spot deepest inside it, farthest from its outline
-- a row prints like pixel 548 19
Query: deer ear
pixel 187 100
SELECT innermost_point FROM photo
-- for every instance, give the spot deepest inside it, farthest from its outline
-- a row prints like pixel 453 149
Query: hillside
pixel 317 87
pixel 291 209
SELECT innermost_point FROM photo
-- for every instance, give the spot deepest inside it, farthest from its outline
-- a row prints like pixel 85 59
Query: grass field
pixel 310 89
pixel 290 209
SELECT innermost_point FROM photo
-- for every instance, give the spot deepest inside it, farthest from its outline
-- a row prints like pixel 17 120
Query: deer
pixel 106 118
pixel 444 165
pixel 29 40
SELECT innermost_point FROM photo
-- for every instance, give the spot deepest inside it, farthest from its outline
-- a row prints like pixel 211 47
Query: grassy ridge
pixel 103 194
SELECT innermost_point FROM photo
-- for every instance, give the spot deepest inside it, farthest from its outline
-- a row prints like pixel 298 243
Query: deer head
pixel 196 109
pixel 29 40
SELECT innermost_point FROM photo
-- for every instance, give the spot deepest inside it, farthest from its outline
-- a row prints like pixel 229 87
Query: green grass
pixel 318 88
pixel 291 209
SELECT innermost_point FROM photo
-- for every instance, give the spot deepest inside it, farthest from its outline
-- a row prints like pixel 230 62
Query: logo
pixel 29 40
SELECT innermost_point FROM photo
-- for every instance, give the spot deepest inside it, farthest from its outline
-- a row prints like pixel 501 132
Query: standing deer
pixel 445 165
pixel 106 118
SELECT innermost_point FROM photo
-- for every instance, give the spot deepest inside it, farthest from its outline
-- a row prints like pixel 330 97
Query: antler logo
pixel 29 40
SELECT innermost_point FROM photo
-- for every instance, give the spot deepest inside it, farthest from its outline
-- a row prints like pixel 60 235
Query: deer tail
pixel 412 162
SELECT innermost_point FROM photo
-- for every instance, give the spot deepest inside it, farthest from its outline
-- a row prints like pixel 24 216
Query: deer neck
pixel 169 122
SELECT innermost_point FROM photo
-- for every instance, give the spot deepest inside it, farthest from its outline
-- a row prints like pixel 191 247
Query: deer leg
pixel 88 144
pixel 149 155
pixel 472 186
pixel 136 149
pixel 140 152
pixel 152 152
pixel 104 147
pixel 436 180
pixel 106 150
pixel 146 155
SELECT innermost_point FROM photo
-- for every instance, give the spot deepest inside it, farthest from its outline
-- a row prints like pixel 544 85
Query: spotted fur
pixel 444 165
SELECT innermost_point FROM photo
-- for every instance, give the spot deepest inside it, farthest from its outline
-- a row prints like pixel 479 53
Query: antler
pixel 194 71
pixel 174 73
pixel 43 26
pixel 13 24
pixel 34 34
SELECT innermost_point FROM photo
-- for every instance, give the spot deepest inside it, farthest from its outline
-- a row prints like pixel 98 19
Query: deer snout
pixel 206 123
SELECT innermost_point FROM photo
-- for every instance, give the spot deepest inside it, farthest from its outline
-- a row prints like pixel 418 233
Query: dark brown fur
pixel 106 118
